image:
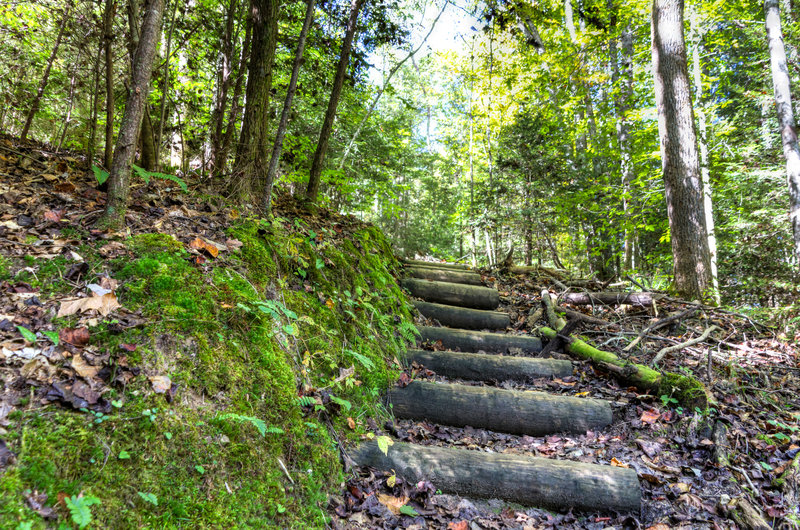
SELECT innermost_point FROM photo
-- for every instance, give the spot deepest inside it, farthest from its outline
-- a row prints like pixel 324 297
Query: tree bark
pixel 476 341
pixel 94 109
pixel 125 149
pixel 531 481
pixel 640 299
pixel 224 72
pixel 509 411
pixel 236 107
pixel 444 275
pixel 312 191
pixel 488 367
pixel 463 318
pixel 108 39
pixel 453 293
pixel 162 115
pixel 37 99
pixel 287 107
pixel 436 264
pixel 146 141
pixel 679 158
pixel 783 105
pixel 250 173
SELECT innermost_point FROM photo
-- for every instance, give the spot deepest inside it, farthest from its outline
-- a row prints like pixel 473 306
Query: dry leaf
pixel 233 244
pixel 82 368
pixel 461 525
pixel 650 417
pixel 103 304
pixel 161 383
pixel 204 246
pixel 77 337
pixel 351 422
pixel 617 463
pixel 393 503
pixel 112 250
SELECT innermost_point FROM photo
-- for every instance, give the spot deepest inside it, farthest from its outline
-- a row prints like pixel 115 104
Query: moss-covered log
pixel 510 411
pixel 436 264
pixel 531 481
pixel 464 318
pixel 444 275
pixel 687 390
pixel 482 367
pixel 453 293
pixel 475 341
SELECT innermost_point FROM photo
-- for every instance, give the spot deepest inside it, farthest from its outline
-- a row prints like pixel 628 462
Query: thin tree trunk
pixel 236 107
pixel 95 109
pixel 253 149
pixel 108 38
pixel 702 141
pixel 312 192
pixel 125 149
pixel 679 158
pixel 37 99
pixel 224 73
pixel 68 118
pixel 377 97
pixel 148 157
pixel 287 105
pixel 163 113
pixel 783 105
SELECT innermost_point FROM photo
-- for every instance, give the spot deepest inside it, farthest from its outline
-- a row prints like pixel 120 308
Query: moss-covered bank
pixel 274 350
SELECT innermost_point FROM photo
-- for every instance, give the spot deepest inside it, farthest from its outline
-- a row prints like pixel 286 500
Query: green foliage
pixel 259 424
pixel 80 509
pixel 147 175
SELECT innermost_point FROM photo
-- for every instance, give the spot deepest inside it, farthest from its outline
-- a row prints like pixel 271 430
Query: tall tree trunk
pixel 287 106
pixel 162 115
pixel 679 159
pixel 125 149
pixel 94 109
pixel 702 142
pixel 312 192
pixel 224 72
pixel 108 39
pixel 250 174
pixel 783 105
pixel 68 118
pixel 37 99
pixel 146 142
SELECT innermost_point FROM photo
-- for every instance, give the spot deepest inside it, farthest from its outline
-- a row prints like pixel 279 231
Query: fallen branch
pixel 553 318
pixel 609 298
pixel 658 325
pixel 669 349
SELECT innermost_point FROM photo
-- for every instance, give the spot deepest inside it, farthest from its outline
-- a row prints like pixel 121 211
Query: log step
pixel 444 275
pixel 453 293
pixel 475 341
pixel 531 481
pixel 509 411
pixel 462 317
pixel 436 265
pixel 480 367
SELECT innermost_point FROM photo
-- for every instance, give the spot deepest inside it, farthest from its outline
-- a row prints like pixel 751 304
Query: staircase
pixel 455 296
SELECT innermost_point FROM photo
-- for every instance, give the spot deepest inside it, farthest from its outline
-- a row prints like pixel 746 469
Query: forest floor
pixel 689 479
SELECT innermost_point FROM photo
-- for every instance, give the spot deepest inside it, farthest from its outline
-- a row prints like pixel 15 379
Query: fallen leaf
pixel 112 250
pixel 54 216
pixel 617 463
pixel 659 526
pixel 351 422
pixel 393 503
pixel 203 246
pixel 329 303
pixel 461 525
pixel 233 244
pixel 77 337
pixel 650 417
pixel 82 390
pixel 82 368
pixel 103 304
pixel 161 383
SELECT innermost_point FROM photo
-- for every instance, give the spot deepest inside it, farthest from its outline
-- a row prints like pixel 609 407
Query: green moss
pixel 687 390
pixel 5 268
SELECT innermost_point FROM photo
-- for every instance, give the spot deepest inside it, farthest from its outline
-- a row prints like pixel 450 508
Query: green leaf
pixel 320 263
pixel 408 510
pixel 383 444
pixel 363 359
pixel 29 335
pixel 53 336
pixel 346 405
pixel 168 435
pixel 148 497
pixel 290 329
pixel 24 525
pixel 200 469
pixel 255 422
pixel 117 403
pixel 79 509
pixel 100 174
pixel 124 455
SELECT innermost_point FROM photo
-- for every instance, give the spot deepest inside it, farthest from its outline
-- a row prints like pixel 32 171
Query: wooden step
pixel 436 264
pixel 475 341
pixel 453 293
pixel 531 481
pixel 480 367
pixel 463 317
pixel 444 275
pixel 509 411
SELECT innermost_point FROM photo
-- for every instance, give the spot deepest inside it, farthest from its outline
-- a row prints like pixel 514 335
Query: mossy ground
pixel 293 311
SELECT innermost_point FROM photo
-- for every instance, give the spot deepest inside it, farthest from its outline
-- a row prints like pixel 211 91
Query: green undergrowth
pixel 274 351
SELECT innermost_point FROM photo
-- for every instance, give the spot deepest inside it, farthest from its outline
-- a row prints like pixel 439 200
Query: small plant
pixel 150 414
pixel 259 424
pixel 148 497
pixel 667 401
pixel 80 509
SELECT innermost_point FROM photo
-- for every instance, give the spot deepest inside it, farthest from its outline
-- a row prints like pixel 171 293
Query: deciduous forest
pixel 399 264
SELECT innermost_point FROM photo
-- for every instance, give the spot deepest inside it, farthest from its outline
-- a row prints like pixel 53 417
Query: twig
pixel 286 471
pixel 669 349
pixel 659 324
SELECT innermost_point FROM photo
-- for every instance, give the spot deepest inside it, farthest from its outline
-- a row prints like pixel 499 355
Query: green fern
pixel 146 175
pixel 306 401
pixel 409 331
pixel 255 422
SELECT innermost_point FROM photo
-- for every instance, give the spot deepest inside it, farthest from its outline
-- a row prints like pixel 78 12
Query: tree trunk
pixel 108 38
pixel 312 192
pixel 224 72
pixel 287 107
pixel 94 109
pixel 488 367
pixel 475 341
pixel 531 481
pixel 236 107
pixel 679 159
pixel 68 118
pixel 462 317
pixel 444 275
pixel 162 115
pixel 37 99
pixel 250 173
pixel 624 103
pixel 146 142
pixel 702 141
pixel 125 149
pixel 453 293
pixel 783 105
pixel 509 411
